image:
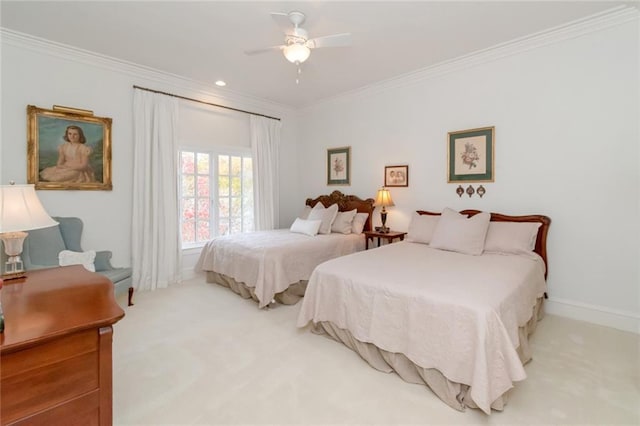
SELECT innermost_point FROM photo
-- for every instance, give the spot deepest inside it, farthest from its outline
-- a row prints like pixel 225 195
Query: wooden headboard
pixel 346 203
pixel 541 239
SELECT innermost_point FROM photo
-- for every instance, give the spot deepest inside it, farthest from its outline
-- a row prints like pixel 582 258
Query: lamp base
pixel 13 267
pixel 14 276
pixel 383 218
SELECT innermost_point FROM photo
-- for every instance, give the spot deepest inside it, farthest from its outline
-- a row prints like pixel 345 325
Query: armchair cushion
pixel 117 274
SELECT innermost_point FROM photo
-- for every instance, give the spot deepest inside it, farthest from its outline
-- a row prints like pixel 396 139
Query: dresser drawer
pixel 49 374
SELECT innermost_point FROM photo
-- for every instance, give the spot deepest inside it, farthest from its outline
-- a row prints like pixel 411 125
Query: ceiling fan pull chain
pixel 299 72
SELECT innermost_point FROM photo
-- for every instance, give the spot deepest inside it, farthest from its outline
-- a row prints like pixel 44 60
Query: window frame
pixel 214 196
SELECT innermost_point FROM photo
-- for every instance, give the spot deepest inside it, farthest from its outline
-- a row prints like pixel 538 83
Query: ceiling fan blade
pixel 263 50
pixel 335 40
pixel 283 21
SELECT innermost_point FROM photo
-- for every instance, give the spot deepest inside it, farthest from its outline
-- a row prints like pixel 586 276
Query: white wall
pixel 566 117
pixel 200 126
pixel 567 137
pixel 36 72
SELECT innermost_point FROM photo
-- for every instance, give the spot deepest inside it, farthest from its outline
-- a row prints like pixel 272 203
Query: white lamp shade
pixel 297 53
pixel 21 210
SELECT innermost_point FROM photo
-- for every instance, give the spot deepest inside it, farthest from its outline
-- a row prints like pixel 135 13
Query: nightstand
pixel 389 236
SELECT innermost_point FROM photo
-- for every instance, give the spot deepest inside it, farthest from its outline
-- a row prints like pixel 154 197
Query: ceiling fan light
pixel 297 53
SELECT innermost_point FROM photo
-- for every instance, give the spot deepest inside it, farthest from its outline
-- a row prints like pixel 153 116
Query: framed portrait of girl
pixel 68 148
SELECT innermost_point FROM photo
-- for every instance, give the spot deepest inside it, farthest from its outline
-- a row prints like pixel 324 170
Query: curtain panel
pixel 155 223
pixel 265 142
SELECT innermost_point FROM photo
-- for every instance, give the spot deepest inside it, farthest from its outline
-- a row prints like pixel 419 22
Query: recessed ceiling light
pixel 221 83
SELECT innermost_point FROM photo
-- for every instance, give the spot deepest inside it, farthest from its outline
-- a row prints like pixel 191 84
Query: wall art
pixel 396 176
pixel 471 155
pixel 68 148
pixel 339 166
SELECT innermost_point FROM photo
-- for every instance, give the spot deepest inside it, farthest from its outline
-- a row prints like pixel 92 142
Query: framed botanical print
pixel 338 166
pixel 471 155
pixel 68 148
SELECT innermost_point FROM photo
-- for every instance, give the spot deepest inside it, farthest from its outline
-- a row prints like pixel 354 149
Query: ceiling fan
pixel 297 44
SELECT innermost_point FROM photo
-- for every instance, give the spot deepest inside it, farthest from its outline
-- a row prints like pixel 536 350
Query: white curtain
pixel 265 140
pixel 156 235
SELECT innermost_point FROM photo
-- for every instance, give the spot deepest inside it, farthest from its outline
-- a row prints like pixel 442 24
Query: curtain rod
pixel 203 102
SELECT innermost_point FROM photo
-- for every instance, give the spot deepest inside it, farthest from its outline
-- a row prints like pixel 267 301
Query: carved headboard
pixel 346 203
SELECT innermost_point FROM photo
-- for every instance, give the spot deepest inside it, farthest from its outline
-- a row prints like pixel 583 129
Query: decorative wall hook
pixel 481 191
pixel 459 191
pixel 470 191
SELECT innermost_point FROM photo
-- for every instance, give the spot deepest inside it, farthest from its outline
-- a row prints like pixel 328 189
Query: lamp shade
pixel 383 198
pixel 297 53
pixel 21 210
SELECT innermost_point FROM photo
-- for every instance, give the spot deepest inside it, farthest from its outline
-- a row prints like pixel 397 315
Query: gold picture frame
pixel 68 148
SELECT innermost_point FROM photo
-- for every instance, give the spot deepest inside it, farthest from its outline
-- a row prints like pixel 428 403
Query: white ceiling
pixel 205 41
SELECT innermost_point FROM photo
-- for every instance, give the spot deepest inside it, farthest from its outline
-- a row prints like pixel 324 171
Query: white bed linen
pixel 454 312
pixel 270 261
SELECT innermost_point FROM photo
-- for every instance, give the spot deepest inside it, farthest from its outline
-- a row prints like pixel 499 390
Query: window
pixel 216 195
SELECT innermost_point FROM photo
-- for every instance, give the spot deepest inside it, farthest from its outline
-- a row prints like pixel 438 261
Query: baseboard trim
pixel 621 320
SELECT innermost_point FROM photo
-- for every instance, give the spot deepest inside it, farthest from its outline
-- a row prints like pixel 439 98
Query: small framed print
pixel 338 166
pixel 396 176
pixel 471 155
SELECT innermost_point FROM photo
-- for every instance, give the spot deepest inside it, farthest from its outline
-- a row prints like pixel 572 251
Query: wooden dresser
pixel 55 352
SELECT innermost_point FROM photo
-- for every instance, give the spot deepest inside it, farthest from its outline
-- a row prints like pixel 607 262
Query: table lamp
pixel 20 210
pixel 383 198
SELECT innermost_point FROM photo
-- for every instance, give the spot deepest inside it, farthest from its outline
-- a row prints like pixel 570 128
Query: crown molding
pixel 593 23
pixel 142 73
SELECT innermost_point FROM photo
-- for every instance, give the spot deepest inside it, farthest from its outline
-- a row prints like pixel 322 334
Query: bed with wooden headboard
pixel 435 310
pixel 275 266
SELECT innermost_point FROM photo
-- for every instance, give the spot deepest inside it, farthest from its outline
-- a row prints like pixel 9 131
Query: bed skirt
pixel 290 296
pixel 456 395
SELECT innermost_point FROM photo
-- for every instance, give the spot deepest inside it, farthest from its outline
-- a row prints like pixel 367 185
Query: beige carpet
pixel 198 354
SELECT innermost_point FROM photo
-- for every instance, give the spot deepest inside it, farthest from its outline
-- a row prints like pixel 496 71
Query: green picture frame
pixel 339 166
pixel 471 155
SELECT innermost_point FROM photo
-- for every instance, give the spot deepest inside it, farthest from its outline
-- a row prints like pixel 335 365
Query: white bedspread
pixel 271 261
pixel 457 313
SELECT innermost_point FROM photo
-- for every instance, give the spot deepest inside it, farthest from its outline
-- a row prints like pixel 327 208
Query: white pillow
pixel 343 222
pixel 421 228
pixel 456 232
pixel 327 216
pixel 511 237
pixel 304 214
pixel 304 226
pixel 358 222
pixel 68 257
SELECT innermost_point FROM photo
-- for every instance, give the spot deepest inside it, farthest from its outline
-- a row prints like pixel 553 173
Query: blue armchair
pixel 42 246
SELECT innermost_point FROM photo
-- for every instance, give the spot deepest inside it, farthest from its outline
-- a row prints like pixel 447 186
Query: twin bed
pixel 430 308
pixel 275 265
